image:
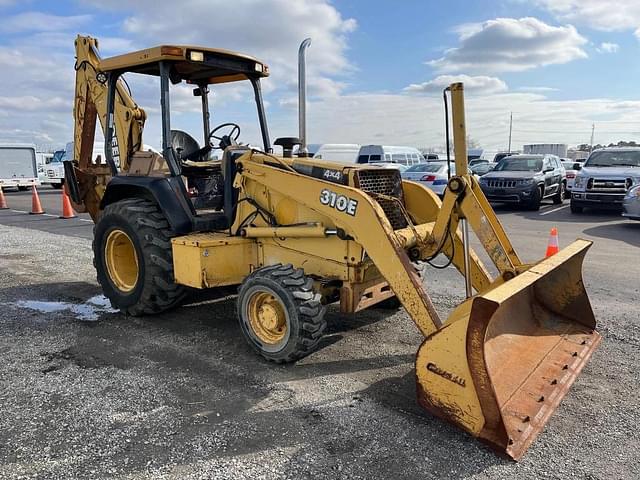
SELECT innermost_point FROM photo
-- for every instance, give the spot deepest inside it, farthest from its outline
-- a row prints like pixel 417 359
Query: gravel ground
pixel 181 396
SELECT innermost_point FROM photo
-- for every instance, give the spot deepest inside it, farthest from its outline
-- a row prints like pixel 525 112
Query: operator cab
pixel 193 170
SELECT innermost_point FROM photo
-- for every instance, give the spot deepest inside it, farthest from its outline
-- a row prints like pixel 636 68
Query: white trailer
pixel 557 149
pixel 18 166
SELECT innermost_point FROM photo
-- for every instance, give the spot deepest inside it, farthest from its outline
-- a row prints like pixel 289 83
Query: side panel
pixel 213 260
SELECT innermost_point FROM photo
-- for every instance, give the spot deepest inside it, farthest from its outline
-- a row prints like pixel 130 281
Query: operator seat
pixel 183 144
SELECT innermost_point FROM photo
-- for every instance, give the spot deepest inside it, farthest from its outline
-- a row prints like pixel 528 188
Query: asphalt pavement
pixel 51 200
pixel 88 393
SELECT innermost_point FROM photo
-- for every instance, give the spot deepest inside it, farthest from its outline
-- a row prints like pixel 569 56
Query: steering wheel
pixel 227 140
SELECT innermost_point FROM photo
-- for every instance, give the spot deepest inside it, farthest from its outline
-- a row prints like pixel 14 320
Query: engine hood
pixel 510 174
pixel 610 172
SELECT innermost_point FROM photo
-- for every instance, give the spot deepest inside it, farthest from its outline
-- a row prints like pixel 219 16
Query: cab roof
pixel 189 63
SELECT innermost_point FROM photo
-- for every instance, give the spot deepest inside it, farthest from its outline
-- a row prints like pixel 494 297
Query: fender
pixel 165 191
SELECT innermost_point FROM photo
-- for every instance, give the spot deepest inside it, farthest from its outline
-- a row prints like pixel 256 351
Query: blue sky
pixel 375 67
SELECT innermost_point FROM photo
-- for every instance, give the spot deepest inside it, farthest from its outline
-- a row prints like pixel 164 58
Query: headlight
pixel 526 181
pixel 633 192
pixel 578 182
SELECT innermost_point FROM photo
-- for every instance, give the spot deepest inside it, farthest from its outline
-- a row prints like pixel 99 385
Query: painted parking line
pixel 85 220
pixel 20 211
pixel 554 210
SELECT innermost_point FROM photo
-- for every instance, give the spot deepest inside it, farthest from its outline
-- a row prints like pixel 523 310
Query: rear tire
pixel 133 258
pixel 280 315
pixel 57 186
pixel 536 198
pixel 576 208
pixel 558 198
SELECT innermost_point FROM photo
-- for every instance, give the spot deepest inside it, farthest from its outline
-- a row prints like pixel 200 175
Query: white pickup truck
pixel 604 179
pixel 18 166
pixel 52 169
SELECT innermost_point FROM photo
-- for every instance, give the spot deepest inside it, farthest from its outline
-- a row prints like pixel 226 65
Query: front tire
pixel 133 258
pixel 280 315
pixel 559 197
pixel 576 208
pixel 536 198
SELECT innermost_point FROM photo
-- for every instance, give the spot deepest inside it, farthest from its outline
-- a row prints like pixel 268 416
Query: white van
pixel 390 154
pixel 338 152
pixel 18 165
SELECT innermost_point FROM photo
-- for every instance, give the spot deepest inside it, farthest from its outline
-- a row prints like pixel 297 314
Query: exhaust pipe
pixel 302 98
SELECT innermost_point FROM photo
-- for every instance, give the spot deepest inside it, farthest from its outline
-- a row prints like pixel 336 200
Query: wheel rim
pixel 121 260
pixel 267 317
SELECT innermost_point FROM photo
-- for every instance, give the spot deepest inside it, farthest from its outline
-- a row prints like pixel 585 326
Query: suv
pixel 605 177
pixel 526 180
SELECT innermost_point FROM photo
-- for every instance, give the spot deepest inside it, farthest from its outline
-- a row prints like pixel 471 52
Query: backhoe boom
pixel 90 103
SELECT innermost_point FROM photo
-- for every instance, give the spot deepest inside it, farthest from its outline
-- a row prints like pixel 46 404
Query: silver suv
pixel 605 178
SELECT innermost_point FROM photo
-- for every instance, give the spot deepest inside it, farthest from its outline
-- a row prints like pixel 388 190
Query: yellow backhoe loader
pixel 297 233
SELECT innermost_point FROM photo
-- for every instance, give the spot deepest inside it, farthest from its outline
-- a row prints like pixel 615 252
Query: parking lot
pixel 86 392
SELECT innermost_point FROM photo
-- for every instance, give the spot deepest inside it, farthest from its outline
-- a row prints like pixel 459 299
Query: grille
pixel 384 182
pixel 502 183
pixel 613 185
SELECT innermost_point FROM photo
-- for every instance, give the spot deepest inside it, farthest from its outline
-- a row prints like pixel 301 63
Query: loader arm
pixel 90 103
pixel 366 224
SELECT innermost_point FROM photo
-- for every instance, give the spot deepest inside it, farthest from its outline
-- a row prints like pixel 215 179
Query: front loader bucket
pixel 504 360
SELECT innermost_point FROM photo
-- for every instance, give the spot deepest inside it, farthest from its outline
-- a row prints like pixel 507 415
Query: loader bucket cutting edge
pixel 504 360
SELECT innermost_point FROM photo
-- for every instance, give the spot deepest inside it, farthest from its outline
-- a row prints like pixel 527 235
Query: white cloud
pixel 473 85
pixel 32 103
pixel 274 39
pixel 607 15
pixel 510 44
pixel 606 47
pixel 418 120
pixel 36 57
pixel 42 22
pixel 538 89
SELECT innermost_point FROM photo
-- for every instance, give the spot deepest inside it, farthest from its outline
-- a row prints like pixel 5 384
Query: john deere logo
pixel 432 367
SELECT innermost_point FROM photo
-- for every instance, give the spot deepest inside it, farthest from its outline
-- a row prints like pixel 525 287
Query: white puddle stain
pixel 86 312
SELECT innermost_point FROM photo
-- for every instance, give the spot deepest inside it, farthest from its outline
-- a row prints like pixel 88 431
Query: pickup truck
pixel 53 173
pixel 605 178
pixel 18 166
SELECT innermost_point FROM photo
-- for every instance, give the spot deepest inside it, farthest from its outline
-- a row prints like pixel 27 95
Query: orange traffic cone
pixel 552 246
pixel 3 201
pixel 67 209
pixel 36 207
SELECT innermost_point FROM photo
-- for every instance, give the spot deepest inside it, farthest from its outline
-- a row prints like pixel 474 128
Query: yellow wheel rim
pixel 267 317
pixel 121 260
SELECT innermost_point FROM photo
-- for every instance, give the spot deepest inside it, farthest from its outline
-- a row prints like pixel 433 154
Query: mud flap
pixel 505 359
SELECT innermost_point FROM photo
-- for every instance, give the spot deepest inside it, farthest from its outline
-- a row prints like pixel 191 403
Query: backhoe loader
pixel 297 233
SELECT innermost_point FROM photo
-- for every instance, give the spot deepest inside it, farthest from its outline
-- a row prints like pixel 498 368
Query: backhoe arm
pixel 90 103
